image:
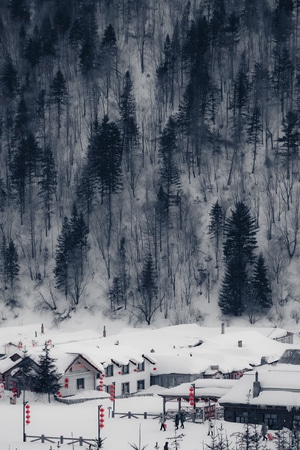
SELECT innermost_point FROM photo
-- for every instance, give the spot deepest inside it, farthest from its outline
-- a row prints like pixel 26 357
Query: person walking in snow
pixel 264 431
pixel 166 446
pixel 182 419
pixel 210 431
pixel 162 422
pixel 176 421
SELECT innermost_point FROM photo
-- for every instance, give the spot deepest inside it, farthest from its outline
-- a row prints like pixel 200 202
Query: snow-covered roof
pixel 279 387
pixel 6 363
pixel 203 388
pixel 198 347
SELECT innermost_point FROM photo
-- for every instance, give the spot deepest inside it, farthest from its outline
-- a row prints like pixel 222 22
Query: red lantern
pixel 154 368
pixel 112 392
pixel 27 414
pixel 192 396
pixel 101 417
pixel 66 383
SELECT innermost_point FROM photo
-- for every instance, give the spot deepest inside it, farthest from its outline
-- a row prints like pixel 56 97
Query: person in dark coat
pixel 176 421
pixel 264 431
pixel 182 419
pixel 166 446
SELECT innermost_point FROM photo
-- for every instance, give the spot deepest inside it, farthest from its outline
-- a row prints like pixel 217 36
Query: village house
pixel 134 360
pixel 269 394
pixel 11 368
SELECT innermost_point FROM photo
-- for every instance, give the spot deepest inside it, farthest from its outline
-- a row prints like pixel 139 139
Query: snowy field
pixel 57 419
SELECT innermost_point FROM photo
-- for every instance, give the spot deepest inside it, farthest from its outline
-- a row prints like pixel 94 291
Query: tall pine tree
pixel 47 380
pixel 239 247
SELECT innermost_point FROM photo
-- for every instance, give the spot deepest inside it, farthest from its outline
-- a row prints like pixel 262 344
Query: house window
pixel 125 388
pixel 271 420
pixel 241 417
pixel 125 369
pixel 140 385
pixel 109 371
pixel 141 366
pixel 80 383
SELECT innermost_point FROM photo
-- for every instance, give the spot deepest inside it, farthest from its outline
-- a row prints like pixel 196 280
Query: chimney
pixel 256 386
pixel 240 343
pixel 222 328
pixel 104 331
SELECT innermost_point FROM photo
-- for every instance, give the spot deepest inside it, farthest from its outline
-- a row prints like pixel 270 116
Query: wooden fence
pixel 61 439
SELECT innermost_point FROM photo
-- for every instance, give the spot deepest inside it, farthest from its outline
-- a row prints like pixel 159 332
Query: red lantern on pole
pixel 66 383
pixel 27 414
pixel 192 396
pixel 101 417
pixel 112 392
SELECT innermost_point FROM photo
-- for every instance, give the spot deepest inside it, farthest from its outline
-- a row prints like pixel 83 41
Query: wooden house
pixel 269 394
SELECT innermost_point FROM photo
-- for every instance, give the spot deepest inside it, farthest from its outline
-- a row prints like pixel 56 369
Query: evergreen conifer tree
pixel 59 96
pixel 148 303
pixel 240 232
pixel 216 227
pixel 262 293
pixel 47 381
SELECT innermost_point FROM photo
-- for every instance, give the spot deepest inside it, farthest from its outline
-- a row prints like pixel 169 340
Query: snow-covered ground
pixel 76 420
pixel 56 419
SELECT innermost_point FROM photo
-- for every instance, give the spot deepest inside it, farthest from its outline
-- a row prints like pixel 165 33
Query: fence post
pixel 42 438
pixel 129 414
pixel 61 439
pixel 145 415
pixel 80 441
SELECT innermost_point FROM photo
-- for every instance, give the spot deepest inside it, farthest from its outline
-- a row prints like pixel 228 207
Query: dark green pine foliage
pixel 47 381
pixel 62 16
pixel 3 195
pixel 216 227
pixel 89 40
pixel 10 263
pixel 282 21
pixel 262 294
pixel 149 289
pixel 108 57
pixel 23 168
pixel 47 185
pixel 290 141
pixel 9 79
pixel 22 119
pixel 105 157
pixel 129 128
pixel 169 172
pixel 240 231
pixel 116 295
pixel 33 48
pixel 59 96
pixel 19 10
pixel 241 93
pixel 239 247
pixel 254 133
pixel 61 270
pixel 282 75
pixel 233 292
pixel 71 256
pixel 48 38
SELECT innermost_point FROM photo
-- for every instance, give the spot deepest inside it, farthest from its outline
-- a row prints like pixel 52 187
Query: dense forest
pixel 150 157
